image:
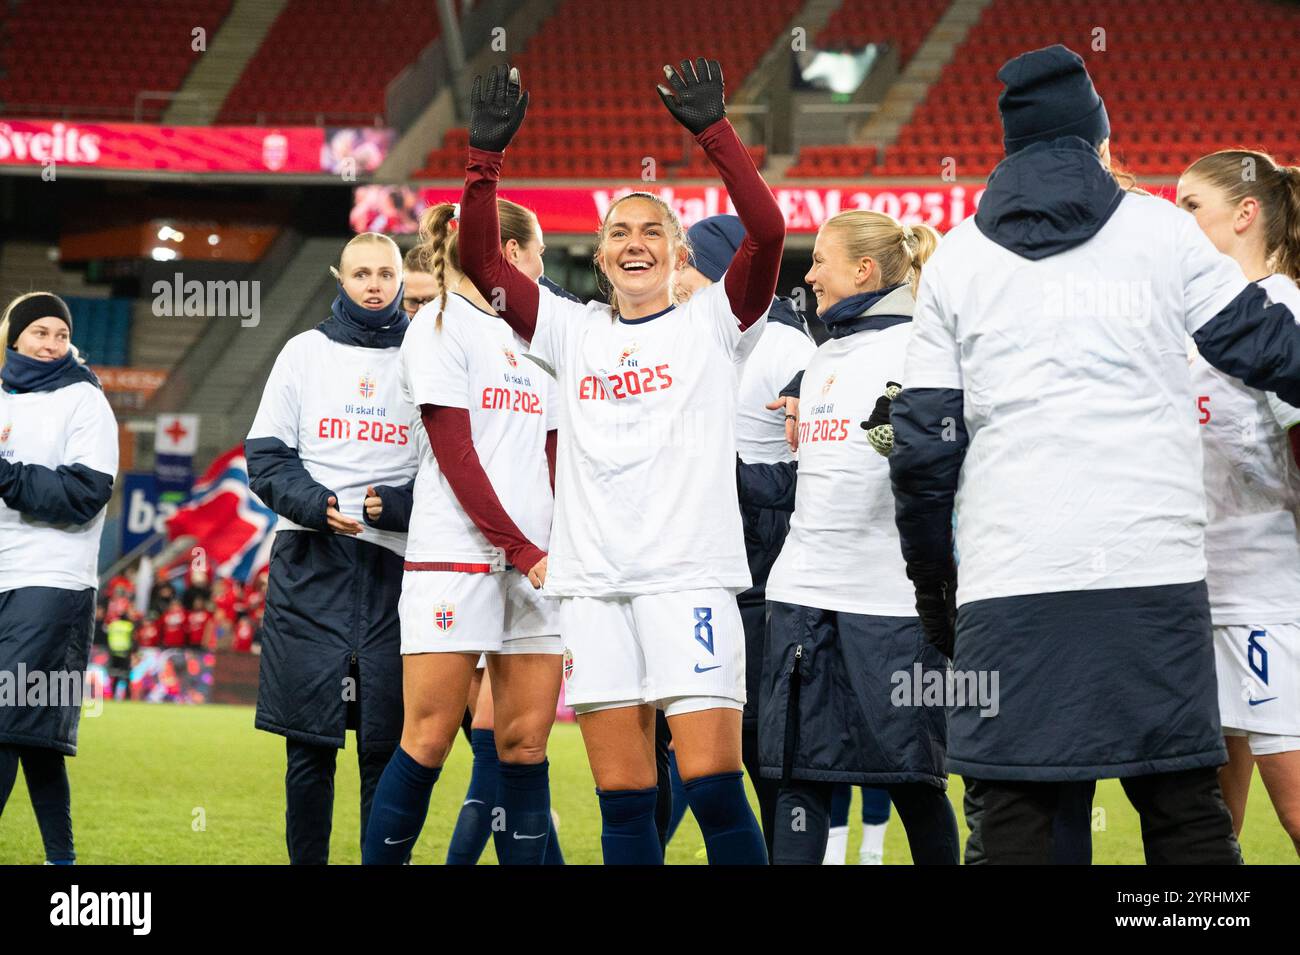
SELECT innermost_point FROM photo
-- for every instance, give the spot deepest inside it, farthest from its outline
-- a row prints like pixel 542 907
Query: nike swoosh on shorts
pixel 1257 702
pixel 699 669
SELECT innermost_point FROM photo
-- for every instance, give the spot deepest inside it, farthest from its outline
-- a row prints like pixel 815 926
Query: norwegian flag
pixel 232 526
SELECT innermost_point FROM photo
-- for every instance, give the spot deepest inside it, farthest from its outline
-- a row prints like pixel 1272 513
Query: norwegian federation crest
pixel 628 352
pixel 444 616
pixel 830 380
pixel 510 356
pixel 366 386
pixel 4 433
pixel 568 663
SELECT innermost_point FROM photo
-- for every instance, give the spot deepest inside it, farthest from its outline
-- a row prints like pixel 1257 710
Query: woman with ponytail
pixel 331 451
pixel 1249 207
pixel 475 563
pixel 58 459
pixel 833 645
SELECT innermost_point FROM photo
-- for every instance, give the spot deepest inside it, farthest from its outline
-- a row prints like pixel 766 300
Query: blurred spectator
pixel 198 590
pixel 198 623
pixel 149 634
pixel 244 630
pixel 228 599
pixel 162 598
pixel 121 634
pixel 255 598
pixel 120 585
pixel 119 607
pixel 174 622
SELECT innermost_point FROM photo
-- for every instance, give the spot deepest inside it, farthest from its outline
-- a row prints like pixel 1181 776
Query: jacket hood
pixel 784 312
pixel 1047 198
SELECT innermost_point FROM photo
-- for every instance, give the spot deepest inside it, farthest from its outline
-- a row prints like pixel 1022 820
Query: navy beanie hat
pixel 713 242
pixel 1049 94
pixel 29 310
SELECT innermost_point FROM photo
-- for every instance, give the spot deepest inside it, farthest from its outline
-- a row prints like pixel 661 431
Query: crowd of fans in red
pixel 224 614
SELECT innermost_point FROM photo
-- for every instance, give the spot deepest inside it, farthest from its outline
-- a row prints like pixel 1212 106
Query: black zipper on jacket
pixel 792 716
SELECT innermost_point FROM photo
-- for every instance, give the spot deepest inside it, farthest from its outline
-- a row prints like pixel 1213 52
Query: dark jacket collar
pixel 1048 198
pixel 22 374
pixel 353 324
pixel 870 310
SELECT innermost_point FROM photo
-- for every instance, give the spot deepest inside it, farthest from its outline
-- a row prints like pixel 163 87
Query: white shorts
pixel 453 612
pixel 680 651
pixel 1259 679
pixel 1266 744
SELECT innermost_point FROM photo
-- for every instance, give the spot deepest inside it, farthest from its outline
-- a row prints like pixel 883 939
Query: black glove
pixel 936 605
pixel 879 431
pixel 698 103
pixel 495 116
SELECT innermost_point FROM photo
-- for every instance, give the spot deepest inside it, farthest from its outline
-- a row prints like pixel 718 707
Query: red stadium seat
pixel 150 49
pixel 1174 90
pixel 581 132
pixel 373 46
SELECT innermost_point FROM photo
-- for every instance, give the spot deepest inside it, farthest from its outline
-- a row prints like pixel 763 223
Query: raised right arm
pixel 480 247
pixel 495 115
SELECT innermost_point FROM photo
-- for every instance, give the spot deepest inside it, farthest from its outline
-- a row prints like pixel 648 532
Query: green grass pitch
pixel 165 784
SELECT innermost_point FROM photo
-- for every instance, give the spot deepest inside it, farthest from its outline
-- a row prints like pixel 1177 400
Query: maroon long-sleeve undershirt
pixel 453 448
pixel 751 277
pixel 551 450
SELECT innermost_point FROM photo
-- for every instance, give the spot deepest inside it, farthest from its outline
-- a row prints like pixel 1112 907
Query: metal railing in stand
pixel 168 553
pixel 853 113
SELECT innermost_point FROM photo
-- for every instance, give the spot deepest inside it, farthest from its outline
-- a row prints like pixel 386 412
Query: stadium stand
pixel 102 329
pixel 903 23
pixel 288 81
pixel 580 129
pixel 87 59
pixel 1168 90
pixel 1172 87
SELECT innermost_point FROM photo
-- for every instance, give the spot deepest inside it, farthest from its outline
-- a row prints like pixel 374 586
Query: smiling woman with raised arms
pixel 647 554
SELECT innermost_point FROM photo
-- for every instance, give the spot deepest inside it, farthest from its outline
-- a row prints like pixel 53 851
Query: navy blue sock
pixel 679 796
pixel 474 824
pixel 841 797
pixel 731 833
pixel 524 795
pixel 875 805
pixel 397 813
pixel 553 854
pixel 627 834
